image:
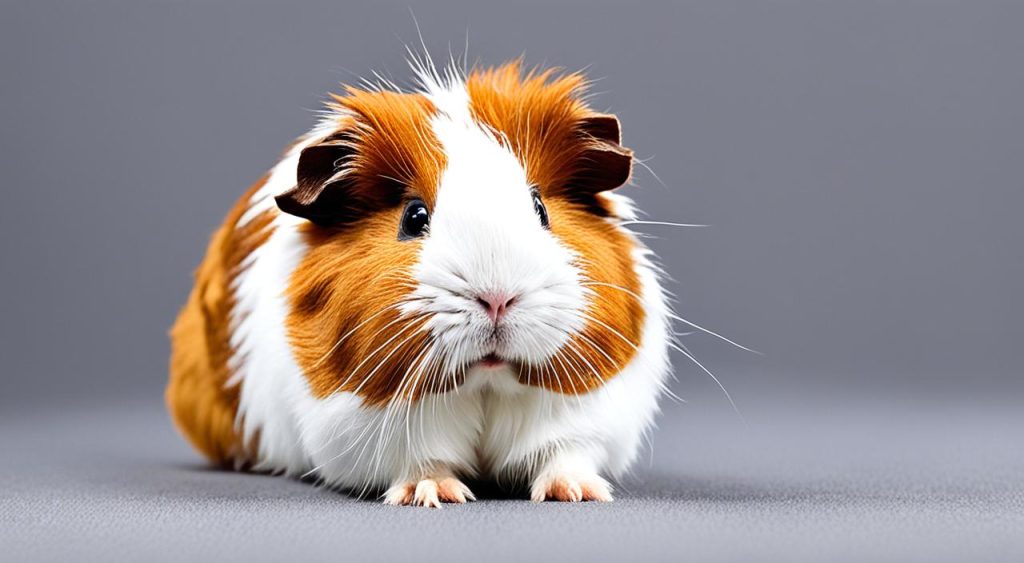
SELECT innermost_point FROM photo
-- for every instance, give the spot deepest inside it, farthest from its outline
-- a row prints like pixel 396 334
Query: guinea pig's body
pixel 431 286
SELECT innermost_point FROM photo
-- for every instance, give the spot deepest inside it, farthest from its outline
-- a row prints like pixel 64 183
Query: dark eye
pixel 542 212
pixel 415 219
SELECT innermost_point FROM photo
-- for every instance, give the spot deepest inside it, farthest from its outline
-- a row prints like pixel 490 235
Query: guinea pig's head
pixel 463 229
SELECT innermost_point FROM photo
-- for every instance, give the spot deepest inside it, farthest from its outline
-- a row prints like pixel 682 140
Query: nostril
pixel 484 303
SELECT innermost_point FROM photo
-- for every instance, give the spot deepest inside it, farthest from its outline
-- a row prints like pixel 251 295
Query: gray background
pixel 861 165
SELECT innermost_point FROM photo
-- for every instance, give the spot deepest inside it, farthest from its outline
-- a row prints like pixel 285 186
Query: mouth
pixel 491 361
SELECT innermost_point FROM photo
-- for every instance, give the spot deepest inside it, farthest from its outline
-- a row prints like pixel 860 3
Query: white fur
pixel 270 380
pixel 484 235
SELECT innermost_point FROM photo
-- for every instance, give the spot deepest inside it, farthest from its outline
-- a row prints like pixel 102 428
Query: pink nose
pixel 496 304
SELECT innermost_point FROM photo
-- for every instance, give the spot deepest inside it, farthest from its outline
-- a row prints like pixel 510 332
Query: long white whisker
pixel 673 316
pixel 717 382
pixel 715 334
pixel 349 333
pixel 663 223
pixel 384 359
pixel 374 353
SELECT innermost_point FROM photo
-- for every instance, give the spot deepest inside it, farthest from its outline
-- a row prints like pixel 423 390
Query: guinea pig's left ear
pixel 323 192
pixel 603 164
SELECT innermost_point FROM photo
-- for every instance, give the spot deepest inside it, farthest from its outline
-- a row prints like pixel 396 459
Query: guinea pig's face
pixel 463 230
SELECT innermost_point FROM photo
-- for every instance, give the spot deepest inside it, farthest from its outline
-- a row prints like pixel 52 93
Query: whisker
pixel 715 334
pixel 662 223
pixel 610 329
pixel 381 362
pixel 716 380
pixel 357 327
pixel 375 351
pixel 674 316
pixel 357 440
pixel 650 170
pixel 558 356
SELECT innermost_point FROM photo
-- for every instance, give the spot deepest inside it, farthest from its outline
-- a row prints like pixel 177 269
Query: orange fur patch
pixel 201 403
pixel 395 140
pixel 344 326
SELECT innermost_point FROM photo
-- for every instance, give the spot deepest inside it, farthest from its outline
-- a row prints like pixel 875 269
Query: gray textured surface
pixel 864 480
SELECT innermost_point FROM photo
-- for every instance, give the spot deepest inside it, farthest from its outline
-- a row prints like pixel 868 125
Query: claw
pixel 571 488
pixel 430 492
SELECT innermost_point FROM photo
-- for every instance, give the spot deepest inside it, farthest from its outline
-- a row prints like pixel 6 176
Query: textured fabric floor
pixel 813 481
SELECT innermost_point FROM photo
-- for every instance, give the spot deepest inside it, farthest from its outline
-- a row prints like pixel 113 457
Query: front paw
pixel 570 487
pixel 429 492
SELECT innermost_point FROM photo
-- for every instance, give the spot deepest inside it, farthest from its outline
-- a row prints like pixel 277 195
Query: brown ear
pixel 603 126
pixel 322 192
pixel 603 164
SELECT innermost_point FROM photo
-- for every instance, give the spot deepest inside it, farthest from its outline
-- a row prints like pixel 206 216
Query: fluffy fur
pixel 318 342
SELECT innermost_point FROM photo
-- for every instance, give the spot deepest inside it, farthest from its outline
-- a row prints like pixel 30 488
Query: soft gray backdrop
pixel 861 165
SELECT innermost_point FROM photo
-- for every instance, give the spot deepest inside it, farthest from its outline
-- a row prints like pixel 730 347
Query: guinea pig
pixel 433 286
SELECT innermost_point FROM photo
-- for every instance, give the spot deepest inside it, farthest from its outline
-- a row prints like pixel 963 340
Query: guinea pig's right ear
pixel 604 164
pixel 323 192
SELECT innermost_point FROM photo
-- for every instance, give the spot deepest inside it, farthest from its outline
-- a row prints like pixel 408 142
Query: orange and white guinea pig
pixel 432 286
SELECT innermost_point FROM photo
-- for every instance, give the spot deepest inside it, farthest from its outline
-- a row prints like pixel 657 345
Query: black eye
pixel 542 212
pixel 415 219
